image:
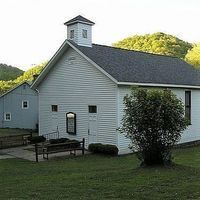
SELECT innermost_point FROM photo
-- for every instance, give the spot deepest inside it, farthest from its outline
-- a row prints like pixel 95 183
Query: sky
pixel 32 30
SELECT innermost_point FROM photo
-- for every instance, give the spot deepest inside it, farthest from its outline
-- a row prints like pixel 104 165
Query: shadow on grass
pixel 174 168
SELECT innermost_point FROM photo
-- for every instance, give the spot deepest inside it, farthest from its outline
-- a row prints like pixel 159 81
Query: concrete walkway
pixel 20 152
pixel 23 153
pixel 4 156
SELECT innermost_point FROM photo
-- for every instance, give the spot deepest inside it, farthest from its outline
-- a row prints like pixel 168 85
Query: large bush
pixel 153 121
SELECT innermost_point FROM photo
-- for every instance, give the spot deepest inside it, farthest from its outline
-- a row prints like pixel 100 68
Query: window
pixel 84 33
pixel 188 105
pixel 54 108
pixel 25 104
pixel 7 116
pixel 71 123
pixel 24 86
pixel 71 34
pixel 92 109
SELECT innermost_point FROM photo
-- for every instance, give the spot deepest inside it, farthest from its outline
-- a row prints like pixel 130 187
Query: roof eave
pixel 14 88
pixel 78 21
pixel 49 65
pixel 55 58
pixel 93 63
pixel 159 85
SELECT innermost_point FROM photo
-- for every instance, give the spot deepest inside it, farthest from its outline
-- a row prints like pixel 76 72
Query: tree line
pixel 164 44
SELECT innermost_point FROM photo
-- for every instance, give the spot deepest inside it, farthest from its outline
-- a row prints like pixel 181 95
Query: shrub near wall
pixel 106 149
pixel 72 143
pixel 59 140
pixel 36 139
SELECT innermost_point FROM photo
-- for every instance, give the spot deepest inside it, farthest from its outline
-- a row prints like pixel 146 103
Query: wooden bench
pixel 63 147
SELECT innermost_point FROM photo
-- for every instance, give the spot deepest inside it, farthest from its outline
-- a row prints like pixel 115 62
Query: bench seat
pixel 63 147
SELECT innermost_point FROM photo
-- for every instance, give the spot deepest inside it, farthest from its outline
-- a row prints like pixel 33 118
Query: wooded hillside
pixel 164 44
pixel 27 76
pixel 8 72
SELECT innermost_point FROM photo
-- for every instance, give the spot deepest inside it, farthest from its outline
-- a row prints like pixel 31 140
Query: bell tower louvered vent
pixel 79 30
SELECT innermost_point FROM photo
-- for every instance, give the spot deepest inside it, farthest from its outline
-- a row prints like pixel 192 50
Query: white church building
pixel 81 89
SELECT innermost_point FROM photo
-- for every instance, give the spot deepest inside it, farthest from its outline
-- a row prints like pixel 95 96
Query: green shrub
pixel 66 140
pixel 36 139
pixel 95 148
pixel 154 121
pixel 59 140
pixel 103 149
pixel 75 145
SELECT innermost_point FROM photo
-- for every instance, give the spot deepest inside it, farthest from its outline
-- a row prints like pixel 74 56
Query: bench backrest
pixel 65 145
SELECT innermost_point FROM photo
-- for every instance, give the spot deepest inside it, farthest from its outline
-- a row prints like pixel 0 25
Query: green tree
pixel 158 43
pixel 153 121
pixel 193 56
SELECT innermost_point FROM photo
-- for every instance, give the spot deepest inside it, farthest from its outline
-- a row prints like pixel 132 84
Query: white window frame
pixel 85 33
pixel 71 34
pixel 23 104
pixel 5 119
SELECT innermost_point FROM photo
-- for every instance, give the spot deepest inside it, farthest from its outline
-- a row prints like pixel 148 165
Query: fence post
pixel 83 150
pixel 36 152
pixel 58 132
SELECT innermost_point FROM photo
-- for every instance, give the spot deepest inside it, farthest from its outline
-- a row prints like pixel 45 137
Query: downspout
pixel 3 113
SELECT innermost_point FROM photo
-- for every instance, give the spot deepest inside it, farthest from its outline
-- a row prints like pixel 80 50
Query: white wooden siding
pixel 84 41
pixel 73 85
pixel 123 142
pixel 193 131
pixel 75 28
pixel 78 38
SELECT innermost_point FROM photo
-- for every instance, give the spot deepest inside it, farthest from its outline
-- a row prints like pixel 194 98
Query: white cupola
pixel 79 30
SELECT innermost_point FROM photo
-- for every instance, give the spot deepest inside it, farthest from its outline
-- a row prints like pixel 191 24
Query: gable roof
pixel 25 82
pixel 77 19
pixel 128 67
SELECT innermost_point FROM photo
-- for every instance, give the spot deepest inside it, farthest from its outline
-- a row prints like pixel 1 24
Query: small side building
pixel 19 108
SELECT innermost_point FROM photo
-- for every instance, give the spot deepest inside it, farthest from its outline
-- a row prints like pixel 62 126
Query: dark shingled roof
pixel 79 18
pixel 140 67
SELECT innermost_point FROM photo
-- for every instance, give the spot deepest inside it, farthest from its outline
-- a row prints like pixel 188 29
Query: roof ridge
pixel 137 51
pixel 77 19
pixel 15 87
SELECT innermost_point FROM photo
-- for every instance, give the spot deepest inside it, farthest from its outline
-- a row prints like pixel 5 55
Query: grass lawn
pixel 97 177
pixel 13 131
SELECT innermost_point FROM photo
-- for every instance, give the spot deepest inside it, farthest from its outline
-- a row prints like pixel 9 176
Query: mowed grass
pixel 98 177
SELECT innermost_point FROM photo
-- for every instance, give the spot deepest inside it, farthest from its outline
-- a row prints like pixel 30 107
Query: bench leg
pixel 43 153
pixel 45 157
